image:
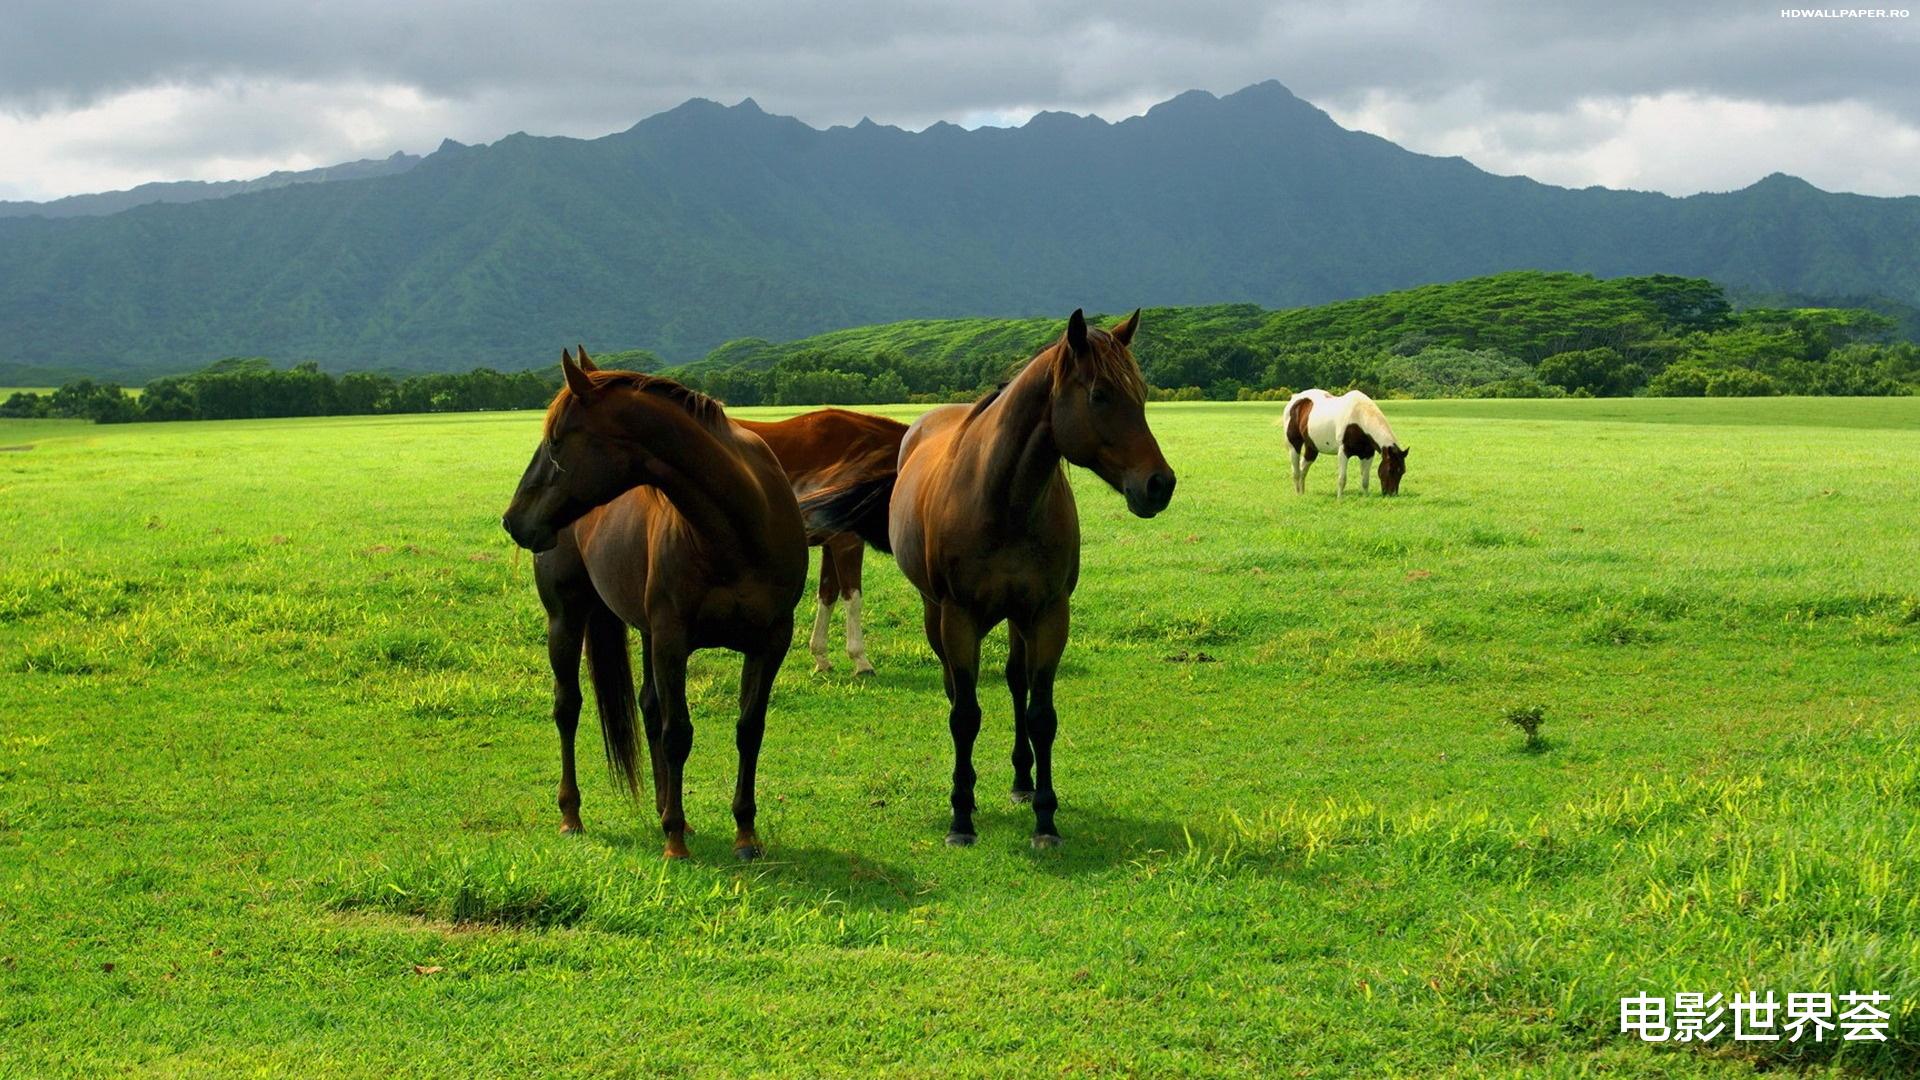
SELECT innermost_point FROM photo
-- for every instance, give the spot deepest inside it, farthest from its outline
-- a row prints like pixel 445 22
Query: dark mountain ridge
pixel 707 223
pixel 183 191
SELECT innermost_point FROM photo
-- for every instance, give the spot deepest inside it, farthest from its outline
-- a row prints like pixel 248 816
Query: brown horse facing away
pixel 983 522
pixel 647 507
pixel 831 448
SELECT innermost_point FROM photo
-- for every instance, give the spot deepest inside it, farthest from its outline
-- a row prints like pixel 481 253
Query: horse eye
pixel 1099 396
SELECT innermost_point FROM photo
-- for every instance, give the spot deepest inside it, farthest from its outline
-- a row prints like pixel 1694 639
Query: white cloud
pixel 226 131
pixel 1676 142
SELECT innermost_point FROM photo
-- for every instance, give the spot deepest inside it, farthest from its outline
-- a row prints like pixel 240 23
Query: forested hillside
pixel 1507 335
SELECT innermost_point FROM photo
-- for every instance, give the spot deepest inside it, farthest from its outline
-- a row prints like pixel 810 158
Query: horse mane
pixel 1373 421
pixel 1112 364
pixel 985 400
pixel 705 410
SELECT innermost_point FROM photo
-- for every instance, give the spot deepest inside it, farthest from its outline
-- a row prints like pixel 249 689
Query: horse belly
pixel 740 616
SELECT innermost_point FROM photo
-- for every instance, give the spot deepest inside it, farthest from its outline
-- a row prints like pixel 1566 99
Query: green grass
pixel 276 769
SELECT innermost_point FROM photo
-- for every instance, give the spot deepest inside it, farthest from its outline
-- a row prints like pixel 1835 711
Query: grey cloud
pixel 914 62
pixel 596 66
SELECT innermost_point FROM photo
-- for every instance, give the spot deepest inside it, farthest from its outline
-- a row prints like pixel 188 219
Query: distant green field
pixel 277 772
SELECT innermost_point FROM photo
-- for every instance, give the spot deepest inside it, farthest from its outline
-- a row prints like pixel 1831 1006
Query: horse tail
pixel 859 506
pixel 612 674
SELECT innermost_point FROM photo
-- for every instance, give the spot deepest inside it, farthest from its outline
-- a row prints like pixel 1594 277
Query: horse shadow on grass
pixel 1099 841
pixel 809 874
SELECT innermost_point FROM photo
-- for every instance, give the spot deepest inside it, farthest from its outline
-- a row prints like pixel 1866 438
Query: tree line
pixel 251 388
pixel 1524 334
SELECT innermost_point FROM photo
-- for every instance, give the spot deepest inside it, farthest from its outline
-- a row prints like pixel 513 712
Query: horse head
pixel 1393 466
pixel 1099 414
pixel 583 459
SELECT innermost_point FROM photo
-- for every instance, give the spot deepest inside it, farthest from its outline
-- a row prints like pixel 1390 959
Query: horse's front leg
pixel 960 653
pixel 565 638
pixel 1046 640
pixel 1341 490
pixel 1366 473
pixel 756 687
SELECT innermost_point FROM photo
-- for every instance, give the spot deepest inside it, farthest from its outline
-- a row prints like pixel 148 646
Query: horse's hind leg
pixel 960 650
pixel 756 686
pixel 1299 473
pixel 669 678
pixel 849 553
pixel 1341 490
pixel 1017 686
pixel 654 722
pixel 1046 640
pixel 823 610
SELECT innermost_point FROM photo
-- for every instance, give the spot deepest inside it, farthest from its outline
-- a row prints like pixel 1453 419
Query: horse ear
pixel 577 380
pixel 1077 332
pixel 1123 331
pixel 586 364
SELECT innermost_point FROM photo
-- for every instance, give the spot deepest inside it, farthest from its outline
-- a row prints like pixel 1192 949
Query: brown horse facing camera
pixel 831 448
pixel 647 507
pixel 983 522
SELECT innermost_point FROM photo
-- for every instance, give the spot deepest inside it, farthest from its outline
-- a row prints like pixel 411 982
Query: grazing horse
pixel 827 448
pixel 982 521
pixel 1351 426
pixel 646 507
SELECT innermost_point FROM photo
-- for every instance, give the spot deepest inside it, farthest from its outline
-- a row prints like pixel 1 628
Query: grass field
pixel 277 772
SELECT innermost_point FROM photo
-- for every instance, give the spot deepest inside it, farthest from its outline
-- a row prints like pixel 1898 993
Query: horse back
pixel 817 445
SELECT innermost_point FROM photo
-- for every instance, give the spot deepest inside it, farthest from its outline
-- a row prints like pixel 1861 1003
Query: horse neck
pixel 703 476
pixel 1372 421
pixel 1012 438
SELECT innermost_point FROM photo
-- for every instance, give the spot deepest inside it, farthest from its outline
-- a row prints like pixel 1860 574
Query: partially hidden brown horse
pixel 647 507
pixel 830 448
pixel 982 521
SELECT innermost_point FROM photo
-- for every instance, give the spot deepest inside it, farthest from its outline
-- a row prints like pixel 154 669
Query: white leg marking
pixel 817 644
pixel 856 641
pixel 1299 474
pixel 1341 491
pixel 1366 472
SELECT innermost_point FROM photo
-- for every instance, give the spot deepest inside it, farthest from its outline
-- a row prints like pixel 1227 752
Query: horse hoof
pixel 747 852
pixel 863 669
pixel 1021 796
pixel 960 839
pixel 1045 841
pixel 821 667
pixel 571 828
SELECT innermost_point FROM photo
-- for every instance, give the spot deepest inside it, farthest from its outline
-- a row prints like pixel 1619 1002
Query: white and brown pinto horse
pixel 1351 426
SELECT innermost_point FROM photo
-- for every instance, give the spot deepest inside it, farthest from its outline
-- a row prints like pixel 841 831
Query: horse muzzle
pixel 534 538
pixel 1151 494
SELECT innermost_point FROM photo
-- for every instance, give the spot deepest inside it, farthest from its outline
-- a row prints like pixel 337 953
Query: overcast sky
pixel 1671 97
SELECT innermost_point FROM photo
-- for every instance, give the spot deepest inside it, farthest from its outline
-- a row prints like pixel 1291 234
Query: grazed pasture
pixel 276 769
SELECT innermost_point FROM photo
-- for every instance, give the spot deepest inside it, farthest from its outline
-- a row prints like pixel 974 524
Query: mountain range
pixel 181 191
pixel 708 223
